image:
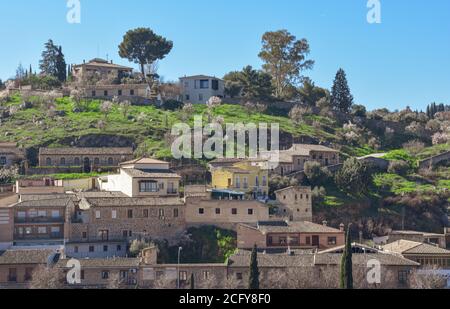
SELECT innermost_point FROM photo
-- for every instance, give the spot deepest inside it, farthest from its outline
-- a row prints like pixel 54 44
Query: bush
pixel 399 167
pixel 354 177
pixel 315 173
pixel 172 105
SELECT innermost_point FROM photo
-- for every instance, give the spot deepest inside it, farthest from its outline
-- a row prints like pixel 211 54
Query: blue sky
pixel 402 61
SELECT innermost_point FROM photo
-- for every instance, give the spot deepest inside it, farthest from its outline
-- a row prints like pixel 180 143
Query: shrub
pixel 172 105
pixel 354 177
pixel 398 167
pixel 315 173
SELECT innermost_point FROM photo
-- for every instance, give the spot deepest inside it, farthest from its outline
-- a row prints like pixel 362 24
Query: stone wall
pixel 434 161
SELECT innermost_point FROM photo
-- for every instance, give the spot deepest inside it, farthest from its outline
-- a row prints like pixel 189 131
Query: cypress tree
pixel 341 97
pixel 347 264
pixel 254 270
pixel 192 282
pixel 61 66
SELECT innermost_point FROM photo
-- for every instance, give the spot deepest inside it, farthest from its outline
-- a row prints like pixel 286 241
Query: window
pixel 119 248
pixel 93 93
pixel 75 249
pixel 161 213
pixel 55 230
pixel 264 181
pixel 145 213
pixel 188 97
pixel 77 161
pixel 91 248
pixel 257 181
pixel 130 213
pixel 200 96
pixel 48 162
pixel 28 273
pixel 105 248
pixel 239 276
pixel 21 214
pixel 201 211
pixel 82 275
pixel 270 240
pixel 234 211
pixel 332 241
pixel 204 84
pixel 186 84
pixel 110 161
pixel 97 161
pixel 114 214
pixel 42 214
pixel 105 93
pixel 295 241
pixel 308 241
pixel 125 234
pixel 55 214
pixel 250 212
pixel 28 231
pixel 105 274
pixel 12 276
pixel 119 92
pixel 131 91
pixel 97 214
pixel 148 186
pixel 42 230
pixel 238 182
pixel 62 161
pixel 103 235
pixel 218 211
pixel 205 275
pixel 245 183
pixel 2 160
pixel 84 235
pixel 403 277
pixel 123 274
pixel 215 84
pixel 175 213
pixel 183 275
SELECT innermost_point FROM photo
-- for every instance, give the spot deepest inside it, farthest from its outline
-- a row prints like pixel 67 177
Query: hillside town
pixel 91 196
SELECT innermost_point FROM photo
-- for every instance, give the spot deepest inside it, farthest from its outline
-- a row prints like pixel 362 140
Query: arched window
pixel 48 162
pixel 77 161
pixel 97 161
pixel 63 161
pixel 110 161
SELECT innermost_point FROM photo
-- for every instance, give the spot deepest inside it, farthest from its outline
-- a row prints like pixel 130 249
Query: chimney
pixel 84 61
pixel 325 223
pixel 111 61
pixel 342 227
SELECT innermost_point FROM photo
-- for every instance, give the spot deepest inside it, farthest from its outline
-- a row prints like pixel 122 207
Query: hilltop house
pixel 199 89
pixel 99 68
pixel 294 159
pixel 248 177
pixel 10 154
pixel 87 158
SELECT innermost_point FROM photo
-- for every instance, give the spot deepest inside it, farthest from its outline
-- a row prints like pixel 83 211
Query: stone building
pixel 289 235
pixel 295 203
pixel 294 159
pixel 7 219
pixel 425 254
pixel 98 68
pixel 17 266
pixel 42 222
pixel 421 237
pixel 87 158
pixel 10 154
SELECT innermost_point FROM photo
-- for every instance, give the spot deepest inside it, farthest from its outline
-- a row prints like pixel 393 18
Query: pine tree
pixel 341 97
pixel 347 264
pixel 192 282
pixel 48 63
pixel 254 270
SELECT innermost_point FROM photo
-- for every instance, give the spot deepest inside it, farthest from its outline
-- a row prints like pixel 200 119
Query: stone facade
pixel 295 203
pixel 88 158
pixel 99 69
pixel 10 154
pixel 285 235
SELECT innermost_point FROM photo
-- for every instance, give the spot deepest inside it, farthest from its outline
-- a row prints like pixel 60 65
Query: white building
pixel 199 88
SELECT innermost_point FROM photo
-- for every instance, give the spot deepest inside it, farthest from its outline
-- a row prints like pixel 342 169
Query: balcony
pixel 38 220
pixel 50 236
pixel 172 191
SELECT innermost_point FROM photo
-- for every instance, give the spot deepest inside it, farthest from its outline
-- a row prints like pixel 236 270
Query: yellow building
pixel 248 177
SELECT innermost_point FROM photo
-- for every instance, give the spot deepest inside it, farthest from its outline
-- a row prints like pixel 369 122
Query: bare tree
pixel 106 108
pixel 427 278
pixel 47 278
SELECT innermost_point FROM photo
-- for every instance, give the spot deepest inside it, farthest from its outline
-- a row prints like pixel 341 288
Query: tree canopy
pixel 144 47
pixel 52 61
pixel 341 97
